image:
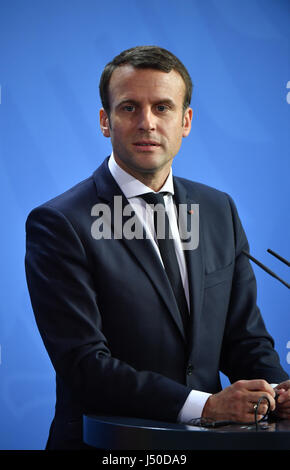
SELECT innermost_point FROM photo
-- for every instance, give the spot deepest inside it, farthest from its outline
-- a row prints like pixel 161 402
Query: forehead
pixel 128 82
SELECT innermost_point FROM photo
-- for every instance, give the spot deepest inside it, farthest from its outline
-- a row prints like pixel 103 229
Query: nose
pixel 147 120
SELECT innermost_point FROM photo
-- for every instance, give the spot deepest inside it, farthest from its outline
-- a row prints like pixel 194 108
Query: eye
pixel 129 108
pixel 162 108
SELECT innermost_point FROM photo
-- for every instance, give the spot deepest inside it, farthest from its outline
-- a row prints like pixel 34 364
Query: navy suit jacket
pixel 109 320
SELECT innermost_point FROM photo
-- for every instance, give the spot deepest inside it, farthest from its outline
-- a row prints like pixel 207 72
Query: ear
pixel 104 123
pixel 187 122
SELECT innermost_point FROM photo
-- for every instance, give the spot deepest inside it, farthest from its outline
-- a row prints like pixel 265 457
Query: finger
pixel 259 385
pixel 284 397
pixel 256 396
pixel 283 385
pixel 261 409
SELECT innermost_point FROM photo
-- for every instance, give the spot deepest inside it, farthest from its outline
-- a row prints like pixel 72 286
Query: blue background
pixel 51 56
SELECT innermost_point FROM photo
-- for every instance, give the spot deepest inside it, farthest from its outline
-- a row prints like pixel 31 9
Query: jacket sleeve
pixel 248 349
pixel 65 305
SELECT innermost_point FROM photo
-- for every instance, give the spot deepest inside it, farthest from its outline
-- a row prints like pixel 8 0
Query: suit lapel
pixel 142 249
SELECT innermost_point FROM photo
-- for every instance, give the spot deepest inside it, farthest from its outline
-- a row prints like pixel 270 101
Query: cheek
pixel 120 130
pixel 175 136
pixel 172 128
pixel 116 134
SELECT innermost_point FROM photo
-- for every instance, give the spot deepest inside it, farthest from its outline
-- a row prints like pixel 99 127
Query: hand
pixel 236 402
pixel 283 400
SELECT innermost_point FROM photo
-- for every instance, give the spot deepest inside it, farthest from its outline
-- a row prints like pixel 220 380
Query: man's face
pixel 146 122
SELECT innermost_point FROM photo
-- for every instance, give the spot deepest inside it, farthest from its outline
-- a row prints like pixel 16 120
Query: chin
pixel 147 164
pixel 150 167
pixel 150 162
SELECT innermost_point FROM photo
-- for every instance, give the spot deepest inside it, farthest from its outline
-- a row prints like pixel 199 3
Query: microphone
pixel 267 269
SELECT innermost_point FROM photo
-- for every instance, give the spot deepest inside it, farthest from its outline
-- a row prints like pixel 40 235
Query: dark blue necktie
pixel 167 251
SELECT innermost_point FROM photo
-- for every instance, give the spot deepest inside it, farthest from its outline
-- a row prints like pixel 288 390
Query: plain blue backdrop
pixel 51 56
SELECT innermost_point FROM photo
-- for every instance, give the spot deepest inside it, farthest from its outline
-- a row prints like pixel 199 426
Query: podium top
pixel 126 433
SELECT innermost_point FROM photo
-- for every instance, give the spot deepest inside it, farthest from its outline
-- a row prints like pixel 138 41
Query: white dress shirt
pixel 132 188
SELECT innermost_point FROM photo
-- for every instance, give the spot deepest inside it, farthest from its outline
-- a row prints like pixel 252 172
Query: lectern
pixel 123 433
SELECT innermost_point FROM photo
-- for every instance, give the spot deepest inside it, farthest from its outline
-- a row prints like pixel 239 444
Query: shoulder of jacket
pixel 203 191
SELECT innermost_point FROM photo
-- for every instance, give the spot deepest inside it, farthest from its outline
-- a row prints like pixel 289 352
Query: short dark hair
pixel 145 57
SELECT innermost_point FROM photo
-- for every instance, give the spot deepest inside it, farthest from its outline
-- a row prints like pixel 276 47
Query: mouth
pixel 146 145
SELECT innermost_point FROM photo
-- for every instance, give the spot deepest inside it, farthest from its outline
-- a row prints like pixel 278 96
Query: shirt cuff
pixel 193 406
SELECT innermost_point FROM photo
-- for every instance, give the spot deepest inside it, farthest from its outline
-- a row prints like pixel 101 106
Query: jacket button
pixel 189 369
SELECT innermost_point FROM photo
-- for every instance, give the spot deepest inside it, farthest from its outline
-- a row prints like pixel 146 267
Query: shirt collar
pixel 130 186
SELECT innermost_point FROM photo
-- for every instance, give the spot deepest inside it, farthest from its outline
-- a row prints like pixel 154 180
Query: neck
pixel 154 182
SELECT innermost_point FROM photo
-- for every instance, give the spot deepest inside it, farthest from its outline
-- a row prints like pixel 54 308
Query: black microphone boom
pixel 279 257
pixel 265 268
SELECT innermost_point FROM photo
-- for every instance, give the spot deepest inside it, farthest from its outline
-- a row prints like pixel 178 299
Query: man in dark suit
pixel 131 327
